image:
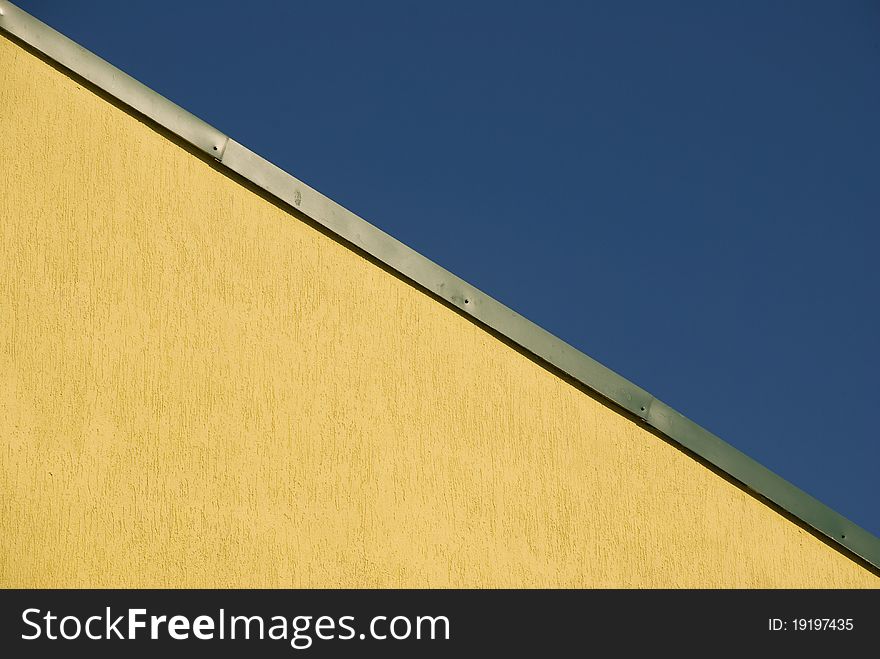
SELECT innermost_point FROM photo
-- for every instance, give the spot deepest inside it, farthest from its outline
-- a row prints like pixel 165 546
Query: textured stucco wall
pixel 199 389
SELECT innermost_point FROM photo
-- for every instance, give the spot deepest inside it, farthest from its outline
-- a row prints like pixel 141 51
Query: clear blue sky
pixel 688 193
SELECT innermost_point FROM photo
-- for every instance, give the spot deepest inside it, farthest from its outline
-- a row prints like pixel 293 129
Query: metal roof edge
pixel 442 283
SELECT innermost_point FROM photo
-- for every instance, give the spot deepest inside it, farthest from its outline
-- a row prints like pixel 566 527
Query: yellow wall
pixel 198 389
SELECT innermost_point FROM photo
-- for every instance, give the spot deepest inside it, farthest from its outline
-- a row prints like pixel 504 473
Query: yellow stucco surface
pixel 199 389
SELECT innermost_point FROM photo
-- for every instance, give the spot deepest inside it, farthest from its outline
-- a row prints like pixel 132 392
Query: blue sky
pixel 688 192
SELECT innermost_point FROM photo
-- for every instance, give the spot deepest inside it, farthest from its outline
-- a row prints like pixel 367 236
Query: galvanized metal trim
pixel 442 283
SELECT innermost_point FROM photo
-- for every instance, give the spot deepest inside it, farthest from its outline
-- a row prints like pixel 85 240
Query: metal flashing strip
pixel 430 276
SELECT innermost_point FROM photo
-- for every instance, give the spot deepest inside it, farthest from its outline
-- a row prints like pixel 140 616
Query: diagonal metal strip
pixel 442 283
